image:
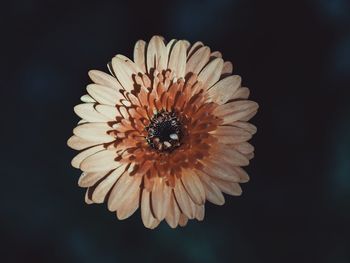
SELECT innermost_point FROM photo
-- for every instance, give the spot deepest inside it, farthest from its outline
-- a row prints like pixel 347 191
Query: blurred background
pixel 293 55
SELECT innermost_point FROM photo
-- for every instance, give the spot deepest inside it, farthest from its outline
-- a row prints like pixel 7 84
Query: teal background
pixel 293 55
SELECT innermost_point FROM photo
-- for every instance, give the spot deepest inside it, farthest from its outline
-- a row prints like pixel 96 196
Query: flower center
pixel 164 131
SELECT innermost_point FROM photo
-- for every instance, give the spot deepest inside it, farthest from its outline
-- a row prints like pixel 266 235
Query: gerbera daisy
pixel 164 132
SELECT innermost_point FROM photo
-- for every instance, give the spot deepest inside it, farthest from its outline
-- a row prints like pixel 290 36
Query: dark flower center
pixel 164 131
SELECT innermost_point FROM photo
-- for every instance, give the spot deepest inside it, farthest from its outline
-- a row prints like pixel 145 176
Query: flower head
pixel 165 132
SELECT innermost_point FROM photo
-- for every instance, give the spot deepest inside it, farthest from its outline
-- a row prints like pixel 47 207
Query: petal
pixel 231 135
pixel 242 93
pixel 87 112
pixel 187 44
pixel 230 155
pixel 177 59
pixel 100 161
pixel 212 192
pixel 194 48
pixel 87 98
pixel 156 54
pixel 211 73
pixel 221 170
pixel 136 69
pixel 90 179
pixel 96 132
pixel 245 126
pixel 122 191
pixel 124 70
pixel 78 143
pixel 183 220
pixel 249 116
pixel 104 79
pixel 244 147
pixel 104 95
pixel 193 186
pixel 243 176
pixel 102 189
pixel 87 198
pixel 129 206
pixel 76 161
pixel 169 47
pixel 148 219
pixel 140 54
pixel 227 68
pixel 111 112
pixel 229 188
pixel 236 110
pixel 160 197
pixel 198 60
pixel 183 199
pixel 82 121
pixel 223 90
pixel 200 212
pixel 173 214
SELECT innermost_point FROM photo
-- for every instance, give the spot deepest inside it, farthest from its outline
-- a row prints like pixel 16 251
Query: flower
pixel 165 132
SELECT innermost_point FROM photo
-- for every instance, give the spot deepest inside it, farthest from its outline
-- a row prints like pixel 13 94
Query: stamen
pixel 164 131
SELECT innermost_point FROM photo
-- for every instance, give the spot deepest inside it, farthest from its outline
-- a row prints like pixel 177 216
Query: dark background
pixel 295 58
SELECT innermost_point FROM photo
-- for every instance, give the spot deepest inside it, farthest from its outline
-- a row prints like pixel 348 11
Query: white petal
pixel 241 93
pixel 87 98
pixel 102 189
pixel 231 135
pixel 200 211
pixel 185 203
pixel 187 44
pixel 211 73
pixel 124 70
pixel 88 112
pixel 183 220
pixel 160 197
pixel 95 132
pixel 100 161
pixel 131 64
pixel 198 60
pixel 82 121
pixel 84 154
pixel 245 126
pixel 229 188
pixel 169 47
pixel 90 179
pixel 221 170
pixel 173 214
pixel 244 147
pixel 87 198
pixel 104 79
pixel 104 95
pixel 236 110
pixel 111 112
pixel 193 186
pixel 78 143
pixel 123 189
pixel 227 69
pixel 223 90
pixel 216 54
pixel 130 205
pixel 229 154
pixel 212 192
pixel 156 54
pixel 194 48
pixel 177 59
pixel 140 54
pixel 148 219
